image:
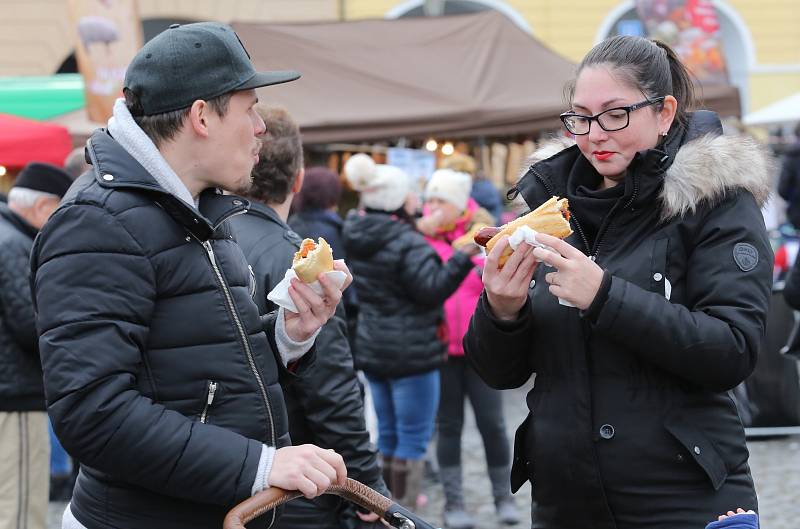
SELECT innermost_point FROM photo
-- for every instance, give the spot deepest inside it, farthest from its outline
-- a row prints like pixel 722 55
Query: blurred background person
pixel 75 162
pixel 24 439
pixel 483 191
pixel 324 403
pixel 315 214
pixel 400 343
pixel 789 182
pixel 448 193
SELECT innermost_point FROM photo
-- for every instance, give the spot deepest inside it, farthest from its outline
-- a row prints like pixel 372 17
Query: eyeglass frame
pixel 628 109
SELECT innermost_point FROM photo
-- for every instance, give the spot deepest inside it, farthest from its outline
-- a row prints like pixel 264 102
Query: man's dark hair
pixel 321 190
pixel 280 158
pixel 163 127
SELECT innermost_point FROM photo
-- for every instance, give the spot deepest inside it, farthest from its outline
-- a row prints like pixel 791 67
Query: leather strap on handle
pixel 270 498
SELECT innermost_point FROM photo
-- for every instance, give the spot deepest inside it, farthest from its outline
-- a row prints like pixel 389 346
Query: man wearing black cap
pixel 24 439
pixel 161 377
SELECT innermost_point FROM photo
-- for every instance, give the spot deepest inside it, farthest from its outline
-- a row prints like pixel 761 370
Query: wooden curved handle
pixel 270 498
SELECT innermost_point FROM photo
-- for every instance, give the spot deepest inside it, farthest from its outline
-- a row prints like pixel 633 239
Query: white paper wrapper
pixel 526 234
pixel 280 294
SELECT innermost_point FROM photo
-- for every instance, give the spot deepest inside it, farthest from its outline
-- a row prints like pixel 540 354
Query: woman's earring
pixel 664 133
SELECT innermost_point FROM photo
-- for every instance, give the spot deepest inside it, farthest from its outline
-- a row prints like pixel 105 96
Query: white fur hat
pixel 450 186
pixel 382 187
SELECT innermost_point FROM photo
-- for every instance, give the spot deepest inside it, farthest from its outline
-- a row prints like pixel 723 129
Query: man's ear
pixel 198 118
pixel 298 181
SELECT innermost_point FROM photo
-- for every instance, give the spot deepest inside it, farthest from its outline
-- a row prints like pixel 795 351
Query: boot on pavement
pixel 407 477
pixel 507 512
pixel 455 514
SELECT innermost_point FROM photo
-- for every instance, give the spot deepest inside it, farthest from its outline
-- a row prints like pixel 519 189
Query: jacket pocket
pixel 521 468
pixel 212 388
pixel 699 447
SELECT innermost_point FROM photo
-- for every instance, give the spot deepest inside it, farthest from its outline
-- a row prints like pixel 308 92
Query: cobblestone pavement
pixel 775 464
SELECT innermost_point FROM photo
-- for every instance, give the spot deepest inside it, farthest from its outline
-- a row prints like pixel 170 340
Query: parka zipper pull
pixel 212 390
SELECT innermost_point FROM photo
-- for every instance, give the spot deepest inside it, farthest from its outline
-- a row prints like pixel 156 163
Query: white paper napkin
pixel 527 235
pixel 280 294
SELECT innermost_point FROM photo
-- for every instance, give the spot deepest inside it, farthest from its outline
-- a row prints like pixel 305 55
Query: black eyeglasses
pixel 609 120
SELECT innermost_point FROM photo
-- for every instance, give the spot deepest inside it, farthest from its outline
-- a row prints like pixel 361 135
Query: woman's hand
pixel 576 279
pixel 507 287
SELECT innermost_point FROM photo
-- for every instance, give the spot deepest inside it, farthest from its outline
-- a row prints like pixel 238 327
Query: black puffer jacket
pixel 144 310
pixel 20 370
pixel 401 285
pixel 324 403
pixel 630 421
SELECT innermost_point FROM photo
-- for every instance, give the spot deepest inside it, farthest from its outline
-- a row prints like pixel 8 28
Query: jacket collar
pixel 114 168
pixel 267 213
pixel 696 164
pixel 20 224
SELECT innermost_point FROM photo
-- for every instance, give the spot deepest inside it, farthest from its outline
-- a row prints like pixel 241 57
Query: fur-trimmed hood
pixel 704 169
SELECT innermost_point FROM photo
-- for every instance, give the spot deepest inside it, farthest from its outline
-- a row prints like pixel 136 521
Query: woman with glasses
pixel 638 324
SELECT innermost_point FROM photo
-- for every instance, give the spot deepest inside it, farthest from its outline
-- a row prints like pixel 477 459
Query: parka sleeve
pixel 95 297
pixel 499 350
pixel 15 295
pixel 713 340
pixel 425 278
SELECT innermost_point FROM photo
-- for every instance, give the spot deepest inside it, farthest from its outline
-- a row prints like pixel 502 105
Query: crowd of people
pixel 134 311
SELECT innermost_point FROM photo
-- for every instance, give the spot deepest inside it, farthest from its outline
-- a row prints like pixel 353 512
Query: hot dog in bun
pixel 312 259
pixel 551 218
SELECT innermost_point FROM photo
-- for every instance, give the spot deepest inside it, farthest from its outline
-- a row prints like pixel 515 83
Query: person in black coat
pixel 638 324
pixel 789 181
pixel 160 374
pixel 24 437
pixel 324 403
pixel 401 284
pixel 315 216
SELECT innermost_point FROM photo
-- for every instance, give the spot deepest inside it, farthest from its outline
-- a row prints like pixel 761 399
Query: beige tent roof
pixel 454 76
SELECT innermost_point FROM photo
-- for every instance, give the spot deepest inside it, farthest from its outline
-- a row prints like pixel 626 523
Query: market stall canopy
pixel 458 76
pixel 778 113
pixel 466 75
pixel 23 140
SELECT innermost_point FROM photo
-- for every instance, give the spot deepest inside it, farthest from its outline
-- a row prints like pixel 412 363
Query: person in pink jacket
pixel 449 214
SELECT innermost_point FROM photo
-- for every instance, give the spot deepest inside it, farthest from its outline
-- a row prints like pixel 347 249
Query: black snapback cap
pixel 194 61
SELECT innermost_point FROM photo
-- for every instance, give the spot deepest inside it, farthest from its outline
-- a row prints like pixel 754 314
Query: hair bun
pixel 360 171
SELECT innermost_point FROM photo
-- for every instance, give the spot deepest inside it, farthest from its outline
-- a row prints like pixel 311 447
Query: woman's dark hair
pixel 650 66
pixel 321 190
pixel 280 158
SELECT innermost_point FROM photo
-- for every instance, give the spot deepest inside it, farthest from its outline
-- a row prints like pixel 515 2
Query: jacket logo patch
pixel 746 256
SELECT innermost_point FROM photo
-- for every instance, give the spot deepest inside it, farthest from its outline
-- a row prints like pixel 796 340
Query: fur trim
pixel 546 149
pixel 707 168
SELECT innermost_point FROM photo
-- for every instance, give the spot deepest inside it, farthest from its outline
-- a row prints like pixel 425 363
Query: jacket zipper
pixel 571 214
pixel 245 344
pixel 593 252
pixel 212 390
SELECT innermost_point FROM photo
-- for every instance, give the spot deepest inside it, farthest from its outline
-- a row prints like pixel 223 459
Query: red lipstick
pixel 602 155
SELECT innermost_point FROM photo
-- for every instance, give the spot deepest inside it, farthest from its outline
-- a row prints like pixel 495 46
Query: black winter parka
pixel 20 370
pixel 159 376
pixel 324 404
pixel 631 424
pixel 402 285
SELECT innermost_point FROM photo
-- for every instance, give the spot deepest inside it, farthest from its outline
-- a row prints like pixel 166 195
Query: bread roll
pixel 551 218
pixel 312 259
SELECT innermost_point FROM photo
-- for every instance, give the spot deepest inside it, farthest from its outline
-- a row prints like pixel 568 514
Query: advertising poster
pixel 691 28
pixel 108 35
pixel 418 164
